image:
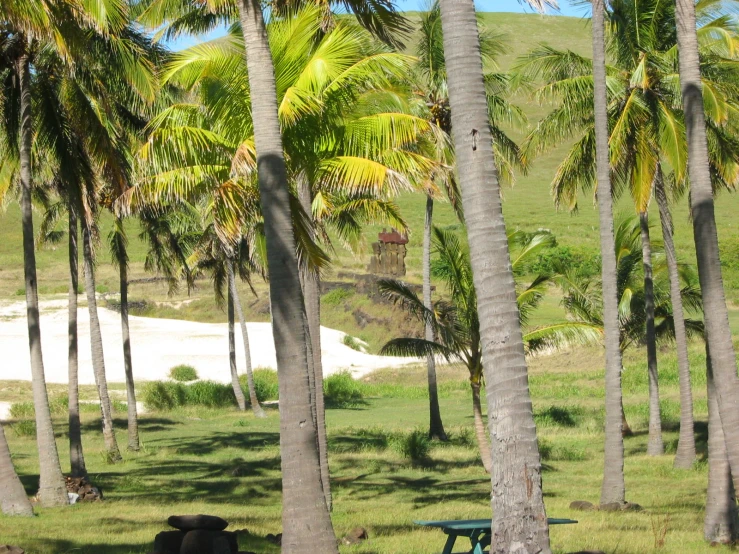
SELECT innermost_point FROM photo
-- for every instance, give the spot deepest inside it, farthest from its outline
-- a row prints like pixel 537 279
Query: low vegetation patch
pixel 341 390
pixel 352 342
pixel 265 384
pixel 183 373
pixel 163 395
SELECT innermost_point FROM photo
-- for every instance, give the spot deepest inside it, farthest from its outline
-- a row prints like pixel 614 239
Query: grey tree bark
pixel 685 455
pixel 520 524
pixel 76 454
pixel 311 283
pixel 613 488
pixel 721 524
pixel 52 490
pixel 13 498
pixel 96 347
pixel 716 318
pixel 436 426
pixel 305 515
pixel 655 446
pixel 133 417
pixel 481 434
pixel 255 406
pixel 238 391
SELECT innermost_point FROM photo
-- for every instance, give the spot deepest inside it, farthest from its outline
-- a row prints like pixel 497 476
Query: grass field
pixel 227 463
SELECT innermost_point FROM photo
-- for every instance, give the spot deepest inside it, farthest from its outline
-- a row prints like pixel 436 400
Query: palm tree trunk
pixel 520 523
pixel 613 488
pixel 718 332
pixel 311 284
pixel 625 427
pixel 655 447
pixel 255 407
pixel 685 455
pixel 721 524
pixel 238 391
pixel 133 417
pixel 76 454
pixel 13 498
pixel 52 490
pixel 96 346
pixel 436 426
pixel 481 434
pixel 305 515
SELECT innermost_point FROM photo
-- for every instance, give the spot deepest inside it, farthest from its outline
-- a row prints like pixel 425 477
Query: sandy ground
pixel 157 345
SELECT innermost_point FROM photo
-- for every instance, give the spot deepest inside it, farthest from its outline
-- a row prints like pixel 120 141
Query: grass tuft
pixel 183 373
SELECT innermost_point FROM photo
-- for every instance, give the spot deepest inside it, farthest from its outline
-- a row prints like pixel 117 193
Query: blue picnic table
pixel 477 530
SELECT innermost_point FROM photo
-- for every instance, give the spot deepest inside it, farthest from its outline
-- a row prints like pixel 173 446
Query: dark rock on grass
pixel 582 505
pixel 198 522
pixel 356 535
pixel 630 507
pixel 169 542
pixel 8 549
pixel 199 541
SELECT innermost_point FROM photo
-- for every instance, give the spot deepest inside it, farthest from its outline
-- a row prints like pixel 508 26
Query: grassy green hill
pixel 527 205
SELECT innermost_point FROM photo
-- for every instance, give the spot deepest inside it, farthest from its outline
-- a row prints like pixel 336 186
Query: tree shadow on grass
pixel 213 442
pixel 58 546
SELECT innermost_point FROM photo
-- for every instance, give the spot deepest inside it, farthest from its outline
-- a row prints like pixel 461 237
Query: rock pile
pixel 83 489
pixel 196 534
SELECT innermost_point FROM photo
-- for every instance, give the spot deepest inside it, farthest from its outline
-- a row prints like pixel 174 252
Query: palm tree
pixel 13 499
pixel 520 522
pixel 721 524
pixel 456 324
pixel 718 332
pixel 431 87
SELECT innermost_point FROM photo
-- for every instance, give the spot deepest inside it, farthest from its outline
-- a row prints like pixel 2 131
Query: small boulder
pixel 197 522
pixel 8 549
pixel 630 507
pixel 356 535
pixel 200 541
pixel 169 542
pixel 582 505
pixel 610 507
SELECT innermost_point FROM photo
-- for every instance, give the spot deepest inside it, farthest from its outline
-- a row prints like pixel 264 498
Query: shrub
pixel 183 373
pixel 209 394
pixel 166 395
pixel 336 296
pixel 265 384
pixel 25 428
pixel 342 391
pixel 415 446
pixel 351 342
pixel 555 259
pixel 22 410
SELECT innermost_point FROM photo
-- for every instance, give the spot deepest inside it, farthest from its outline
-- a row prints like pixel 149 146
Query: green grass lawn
pixel 227 463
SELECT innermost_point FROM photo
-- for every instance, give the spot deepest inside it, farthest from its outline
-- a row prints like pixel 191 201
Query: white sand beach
pixel 157 345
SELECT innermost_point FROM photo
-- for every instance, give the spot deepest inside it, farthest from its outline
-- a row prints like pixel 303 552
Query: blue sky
pixel 566 7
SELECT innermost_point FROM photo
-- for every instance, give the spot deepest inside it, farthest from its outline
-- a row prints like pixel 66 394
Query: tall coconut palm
pixel 305 514
pixel 520 523
pixel 721 524
pixel 456 324
pixel 13 499
pixel 718 332
pixel 431 87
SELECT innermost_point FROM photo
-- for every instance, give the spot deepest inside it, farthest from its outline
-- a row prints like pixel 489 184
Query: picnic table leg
pixel 449 546
pixel 480 542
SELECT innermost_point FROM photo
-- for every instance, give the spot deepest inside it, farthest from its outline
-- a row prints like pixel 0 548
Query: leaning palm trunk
pixel 235 384
pixel 685 455
pixel 305 516
pixel 311 284
pixel 481 434
pixel 613 488
pixel 721 524
pixel 76 455
pixel 655 447
pixel 13 498
pixel 133 417
pixel 718 332
pixel 520 523
pixel 96 347
pixel 52 491
pixel 436 426
pixel 236 301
